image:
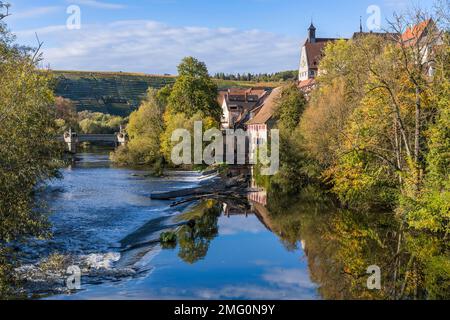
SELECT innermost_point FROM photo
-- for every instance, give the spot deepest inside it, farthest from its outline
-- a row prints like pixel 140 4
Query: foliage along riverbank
pixel 29 153
pixel 85 122
pixel 376 135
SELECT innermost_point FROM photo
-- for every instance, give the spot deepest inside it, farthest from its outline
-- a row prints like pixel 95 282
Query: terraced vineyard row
pixel 118 93
pixel 113 93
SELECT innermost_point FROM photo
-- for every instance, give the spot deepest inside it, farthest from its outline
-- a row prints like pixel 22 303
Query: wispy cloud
pixel 34 12
pixel 153 47
pixel 240 224
pixel 98 4
pixel 290 278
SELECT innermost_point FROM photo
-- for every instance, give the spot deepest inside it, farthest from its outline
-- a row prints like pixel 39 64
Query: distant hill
pixel 119 93
pixel 115 93
pixel 226 84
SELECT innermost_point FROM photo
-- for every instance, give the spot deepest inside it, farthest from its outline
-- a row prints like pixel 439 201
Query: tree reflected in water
pixel 341 244
pixel 195 237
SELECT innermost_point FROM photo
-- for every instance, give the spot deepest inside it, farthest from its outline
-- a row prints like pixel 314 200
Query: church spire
pixel 312 33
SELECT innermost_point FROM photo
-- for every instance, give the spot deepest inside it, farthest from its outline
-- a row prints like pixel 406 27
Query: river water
pixel 264 246
pixel 103 216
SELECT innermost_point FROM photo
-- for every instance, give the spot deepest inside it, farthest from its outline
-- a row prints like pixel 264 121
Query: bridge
pixel 72 139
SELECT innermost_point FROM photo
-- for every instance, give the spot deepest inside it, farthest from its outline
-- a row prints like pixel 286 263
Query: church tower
pixel 311 54
pixel 312 34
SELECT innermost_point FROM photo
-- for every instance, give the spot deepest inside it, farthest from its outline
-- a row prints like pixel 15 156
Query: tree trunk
pixel 417 139
pixel 398 151
pixel 417 132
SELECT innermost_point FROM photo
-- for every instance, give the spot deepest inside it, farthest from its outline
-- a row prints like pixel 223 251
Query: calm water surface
pixel 104 216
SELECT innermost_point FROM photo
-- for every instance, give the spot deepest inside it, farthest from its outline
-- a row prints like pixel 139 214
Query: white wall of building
pixel 258 136
pixel 303 72
pixel 225 115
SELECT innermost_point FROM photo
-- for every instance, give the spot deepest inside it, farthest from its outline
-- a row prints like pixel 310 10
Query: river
pixel 103 216
pixel 261 247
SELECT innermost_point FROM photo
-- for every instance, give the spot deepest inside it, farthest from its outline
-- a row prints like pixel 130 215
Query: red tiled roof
pixel 268 108
pixel 414 33
pixel 306 83
pixel 243 92
pixel 221 96
pixel 314 51
pixel 244 99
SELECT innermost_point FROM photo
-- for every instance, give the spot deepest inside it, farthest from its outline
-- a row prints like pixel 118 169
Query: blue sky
pixel 152 36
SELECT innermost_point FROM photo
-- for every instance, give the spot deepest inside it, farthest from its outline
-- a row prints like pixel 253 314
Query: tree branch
pixel 37 54
pixel 7 6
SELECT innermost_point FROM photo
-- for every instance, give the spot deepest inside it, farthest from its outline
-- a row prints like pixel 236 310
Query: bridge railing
pixel 71 138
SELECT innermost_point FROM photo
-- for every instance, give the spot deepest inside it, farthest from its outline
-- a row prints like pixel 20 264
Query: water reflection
pixel 202 227
pixel 339 246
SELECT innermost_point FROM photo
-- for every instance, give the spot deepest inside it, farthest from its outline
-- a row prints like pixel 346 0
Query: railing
pixel 97 138
pixel 72 139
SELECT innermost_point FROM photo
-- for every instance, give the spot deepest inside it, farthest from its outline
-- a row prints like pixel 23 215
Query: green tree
pixel 430 210
pixel 194 91
pixel 27 146
pixel 98 123
pixel 293 173
pixel 181 121
pixel 28 151
pixel 144 129
pixel 192 98
pixel 290 108
pixel 66 114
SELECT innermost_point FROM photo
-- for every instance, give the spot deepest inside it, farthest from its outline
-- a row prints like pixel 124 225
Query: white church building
pixel 311 54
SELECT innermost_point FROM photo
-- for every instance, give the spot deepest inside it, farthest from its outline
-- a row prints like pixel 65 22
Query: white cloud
pixel 240 224
pixel 45 31
pixel 290 278
pixel 153 47
pixel 32 13
pixel 98 4
pixel 278 284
